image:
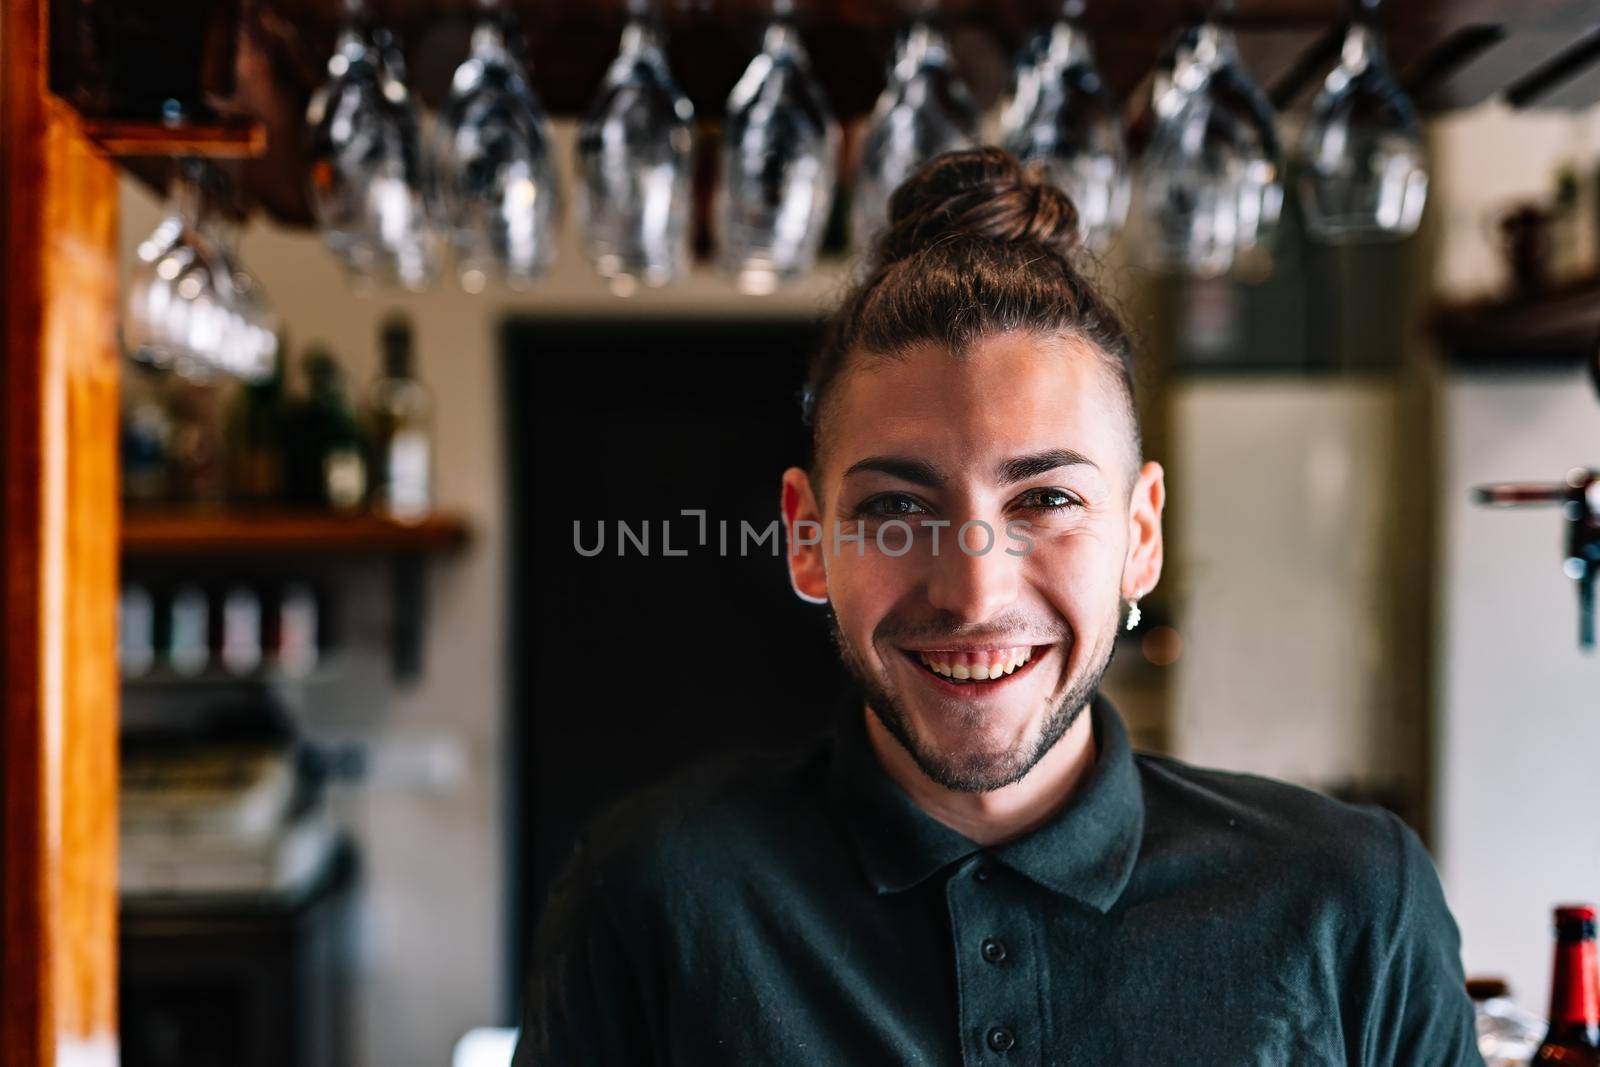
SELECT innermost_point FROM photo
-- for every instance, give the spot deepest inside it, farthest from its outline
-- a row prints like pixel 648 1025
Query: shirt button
pixel 993 950
pixel 982 873
pixel 1001 1039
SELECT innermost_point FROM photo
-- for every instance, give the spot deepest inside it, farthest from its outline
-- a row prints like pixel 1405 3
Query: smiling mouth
pixel 976 671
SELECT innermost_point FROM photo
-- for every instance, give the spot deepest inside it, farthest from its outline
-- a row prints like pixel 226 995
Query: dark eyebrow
pixel 907 469
pixel 1018 469
pixel 1022 468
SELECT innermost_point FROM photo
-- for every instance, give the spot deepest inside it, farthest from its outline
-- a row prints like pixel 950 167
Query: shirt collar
pixel 1086 851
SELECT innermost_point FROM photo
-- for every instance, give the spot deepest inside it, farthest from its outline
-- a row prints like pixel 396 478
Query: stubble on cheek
pixel 967 768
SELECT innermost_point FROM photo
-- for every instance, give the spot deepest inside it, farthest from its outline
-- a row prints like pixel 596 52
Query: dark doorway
pixel 624 667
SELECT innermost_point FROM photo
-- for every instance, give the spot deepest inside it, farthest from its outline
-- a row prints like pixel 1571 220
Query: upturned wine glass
pixel 250 346
pixel 1211 176
pixel 369 177
pixel 779 148
pixel 147 333
pixel 924 109
pixel 1363 168
pixel 499 184
pixel 190 306
pixel 634 155
pixel 1074 130
pixel 1023 92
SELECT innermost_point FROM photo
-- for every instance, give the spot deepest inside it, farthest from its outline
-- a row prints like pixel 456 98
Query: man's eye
pixel 1049 499
pixel 891 506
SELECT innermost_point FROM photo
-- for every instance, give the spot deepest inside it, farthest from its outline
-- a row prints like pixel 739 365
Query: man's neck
pixel 1002 814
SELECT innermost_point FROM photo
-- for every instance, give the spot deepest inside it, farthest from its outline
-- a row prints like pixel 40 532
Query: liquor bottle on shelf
pixel 1574 1034
pixel 195 451
pixel 399 419
pixel 146 435
pixel 326 462
pixel 255 440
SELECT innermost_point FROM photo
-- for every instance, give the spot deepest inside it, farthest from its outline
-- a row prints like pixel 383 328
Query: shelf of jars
pixel 271 572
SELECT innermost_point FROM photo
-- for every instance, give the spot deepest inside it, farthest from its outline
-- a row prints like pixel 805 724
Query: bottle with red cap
pixel 1574 1034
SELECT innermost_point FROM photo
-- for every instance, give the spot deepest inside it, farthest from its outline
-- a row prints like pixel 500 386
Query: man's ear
pixel 802 527
pixel 1142 569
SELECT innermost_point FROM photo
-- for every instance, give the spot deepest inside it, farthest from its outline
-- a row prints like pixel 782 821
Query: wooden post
pixel 58 569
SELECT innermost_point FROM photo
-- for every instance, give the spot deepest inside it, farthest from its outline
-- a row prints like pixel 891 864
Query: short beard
pixel 971 774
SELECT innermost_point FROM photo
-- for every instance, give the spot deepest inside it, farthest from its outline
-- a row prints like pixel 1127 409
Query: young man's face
pixel 1024 430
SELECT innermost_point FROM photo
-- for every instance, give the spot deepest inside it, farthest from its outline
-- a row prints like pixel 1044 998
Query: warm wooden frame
pixel 58 569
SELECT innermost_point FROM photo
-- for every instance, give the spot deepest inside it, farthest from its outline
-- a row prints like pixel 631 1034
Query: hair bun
pixel 982 192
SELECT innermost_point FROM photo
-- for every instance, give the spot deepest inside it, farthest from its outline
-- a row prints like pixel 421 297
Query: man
pixel 974 868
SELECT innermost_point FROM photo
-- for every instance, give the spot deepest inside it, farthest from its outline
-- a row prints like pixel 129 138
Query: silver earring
pixel 1133 613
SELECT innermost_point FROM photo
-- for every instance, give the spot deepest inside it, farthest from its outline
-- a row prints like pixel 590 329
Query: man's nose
pixel 974 582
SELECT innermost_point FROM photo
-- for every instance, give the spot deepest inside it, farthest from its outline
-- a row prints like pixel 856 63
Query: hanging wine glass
pixel 369 179
pixel 146 322
pixel 1023 92
pixel 1363 170
pixel 924 109
pixel 176 316
pixel 634 163
pixel 1261 172
pixel 779 146
pixel 191 307
pixel 1073 129
pixel 250 347
pixel 1211 177
pixel 499 182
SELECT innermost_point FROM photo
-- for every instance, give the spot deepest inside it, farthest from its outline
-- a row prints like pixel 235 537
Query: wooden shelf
pixel 214 140
pixel 1559 327
pixel 212 534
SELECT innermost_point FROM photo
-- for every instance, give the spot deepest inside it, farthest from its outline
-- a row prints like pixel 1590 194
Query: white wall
pixel 1280 493
pixel 1518 731
pixel 1519 738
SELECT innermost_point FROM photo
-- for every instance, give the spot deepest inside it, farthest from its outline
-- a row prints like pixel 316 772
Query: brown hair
pixel 976 245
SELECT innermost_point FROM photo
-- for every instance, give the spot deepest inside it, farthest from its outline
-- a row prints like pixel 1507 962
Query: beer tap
pixel 1578 497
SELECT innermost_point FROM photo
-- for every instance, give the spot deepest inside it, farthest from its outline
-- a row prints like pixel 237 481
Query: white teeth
pixel 1015 659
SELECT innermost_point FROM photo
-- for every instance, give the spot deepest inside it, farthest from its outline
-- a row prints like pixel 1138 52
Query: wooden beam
pixel 1302 79
pixel 58 569
pixel 1569 79
pixel 1479 61
pixel 1453 68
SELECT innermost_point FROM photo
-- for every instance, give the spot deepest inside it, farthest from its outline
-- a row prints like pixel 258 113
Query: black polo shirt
pixel 802 911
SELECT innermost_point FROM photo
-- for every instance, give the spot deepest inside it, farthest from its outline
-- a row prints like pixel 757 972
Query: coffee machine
pixel 1578 497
